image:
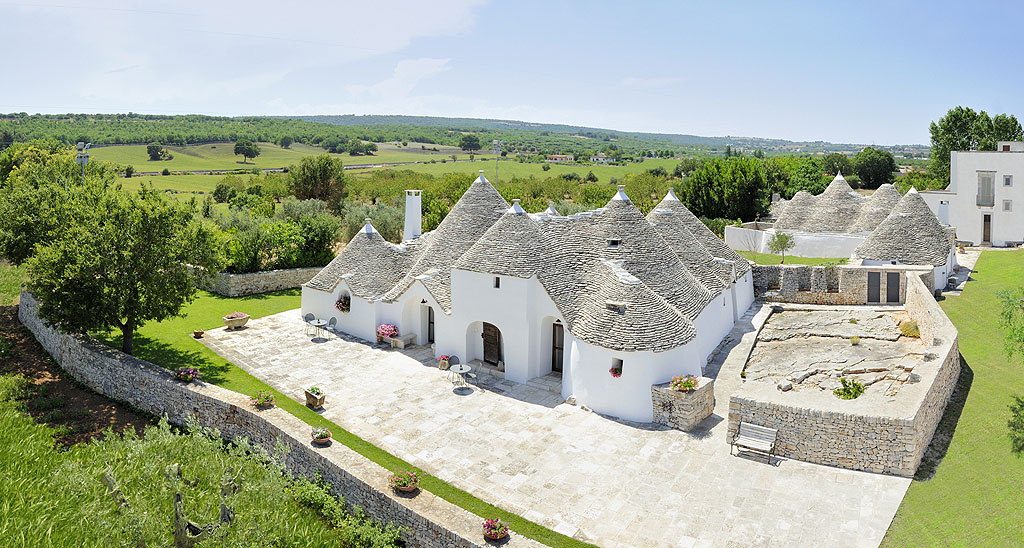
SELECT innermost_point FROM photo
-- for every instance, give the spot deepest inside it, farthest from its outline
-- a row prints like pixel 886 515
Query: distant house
pixel 561 158
pixel 599 158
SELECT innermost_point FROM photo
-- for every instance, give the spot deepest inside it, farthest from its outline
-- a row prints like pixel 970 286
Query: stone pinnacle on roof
pixel 671 195
pixel 551 210
pixel 368 228
pixel 516 209
pixel 621 194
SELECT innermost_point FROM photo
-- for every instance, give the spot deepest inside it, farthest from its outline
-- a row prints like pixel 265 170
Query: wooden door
pixel 986 229
pixel 492 343
pixel 430 325
pixel 874 287
pixel 557 345
pixel 892 287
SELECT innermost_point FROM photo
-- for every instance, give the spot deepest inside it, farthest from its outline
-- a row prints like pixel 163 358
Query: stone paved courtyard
pixel 585 475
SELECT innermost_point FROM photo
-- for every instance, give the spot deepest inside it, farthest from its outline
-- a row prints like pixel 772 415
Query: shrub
pixel 909 329
pixel 165 171
pixel 315 390
pixel 855 340
pixel 718 225
pixel 684 384
pixel 320 433
pixel 223 193
pixel 546 167
pixel 405 479
pixel 129 171
pixel 850 389
pixel 853 320
pixel 495 528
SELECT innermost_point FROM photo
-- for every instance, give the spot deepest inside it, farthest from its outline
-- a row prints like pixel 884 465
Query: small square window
pixel 497 282
pixel 1007 180
pixel 616 369
pixel 1007 205
pixel 614 242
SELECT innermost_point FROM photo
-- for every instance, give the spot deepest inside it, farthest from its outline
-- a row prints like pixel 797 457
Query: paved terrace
pixel 585 475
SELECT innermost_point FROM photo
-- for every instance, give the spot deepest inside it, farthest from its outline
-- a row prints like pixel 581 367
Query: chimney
pixel 413 214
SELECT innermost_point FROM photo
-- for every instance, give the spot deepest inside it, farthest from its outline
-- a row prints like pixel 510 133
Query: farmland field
pixel 511 168
pixel 222 156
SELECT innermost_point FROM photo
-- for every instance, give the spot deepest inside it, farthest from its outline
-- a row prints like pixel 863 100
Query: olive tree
pixel 124 262
pixel 780 243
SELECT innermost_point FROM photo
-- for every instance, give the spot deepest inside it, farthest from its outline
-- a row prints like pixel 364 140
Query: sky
pixel 847 72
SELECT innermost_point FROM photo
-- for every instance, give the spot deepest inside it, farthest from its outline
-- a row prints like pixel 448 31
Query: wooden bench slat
pixel 756 438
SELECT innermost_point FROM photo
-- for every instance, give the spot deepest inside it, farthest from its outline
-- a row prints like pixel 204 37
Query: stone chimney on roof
pixel 413 214
pixel 368 228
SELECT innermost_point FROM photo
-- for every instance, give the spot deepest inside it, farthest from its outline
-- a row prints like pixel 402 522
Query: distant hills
pixel 747 143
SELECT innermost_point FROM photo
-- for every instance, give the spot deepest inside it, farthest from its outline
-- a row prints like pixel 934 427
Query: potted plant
pixel 187 374
pixel 684 384
pixel 495 529
pixel 616 371
pixel 405 481
pixel 344 303
pixel 443 362
pixel 235 320
pixel 198 333
pixel 321 435
pixel 386 331
pixel 315 397
pixel 262 400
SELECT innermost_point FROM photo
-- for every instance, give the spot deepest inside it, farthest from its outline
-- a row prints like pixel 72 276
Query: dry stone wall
pixel 683 410
pixel 838 285
pixel 427 520
pixel 253 283
pixel 885 437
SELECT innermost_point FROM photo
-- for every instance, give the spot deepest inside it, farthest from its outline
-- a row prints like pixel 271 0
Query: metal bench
pixel 759 439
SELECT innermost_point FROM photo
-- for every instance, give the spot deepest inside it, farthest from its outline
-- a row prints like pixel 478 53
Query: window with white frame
pixel 1007 180
pixel 1007 205
pixel 986 188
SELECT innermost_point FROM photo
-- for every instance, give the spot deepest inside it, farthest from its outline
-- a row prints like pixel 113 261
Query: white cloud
pixel 408 73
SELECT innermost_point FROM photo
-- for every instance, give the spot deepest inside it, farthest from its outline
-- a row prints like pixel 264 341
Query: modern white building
pixel 985 196
pixel 576 295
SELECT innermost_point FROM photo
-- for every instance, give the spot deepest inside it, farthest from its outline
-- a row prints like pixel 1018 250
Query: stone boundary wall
pixel 838 285
pixel 683 410
pixel 889 437
pixel 427 520
pixel 253 283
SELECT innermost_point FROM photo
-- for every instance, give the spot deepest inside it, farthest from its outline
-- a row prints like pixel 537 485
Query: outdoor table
pixel 457 373
pixel 319 325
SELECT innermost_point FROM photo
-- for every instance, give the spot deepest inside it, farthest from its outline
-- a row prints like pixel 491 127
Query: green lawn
pixel 222 156
pixel 974 498
pixel 11 278
pixel 766 258
pixel 170 344
pixel 511 168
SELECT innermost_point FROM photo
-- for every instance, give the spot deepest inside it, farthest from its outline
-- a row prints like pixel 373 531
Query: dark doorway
pixel 986 229
pixel 557 345
pixel 492 343
pixel 892 287
pixel 874 289
pixel 430 325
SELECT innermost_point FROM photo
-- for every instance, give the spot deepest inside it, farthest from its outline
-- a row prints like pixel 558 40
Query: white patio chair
pixel 310 330
pixel 332 326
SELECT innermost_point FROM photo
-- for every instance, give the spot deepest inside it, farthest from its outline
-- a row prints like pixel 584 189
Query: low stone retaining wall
pixel 683 410
pixel 887 437
pixel 426 520
pixel 253 283
pixel 838 285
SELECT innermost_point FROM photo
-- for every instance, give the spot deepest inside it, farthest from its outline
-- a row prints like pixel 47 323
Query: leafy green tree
pixel 1005 127
pixel 875 167
pixel 318 177
pixel 780 243
pixel 155 151
pixel 124 262
pixel 469 142
pixel 919 180
pixel 957 130
pixel 247 149
pixel 836 163
pixel 734 188
pixel 129 171
pixel 591 178
pixel 223 193
pixel 286 141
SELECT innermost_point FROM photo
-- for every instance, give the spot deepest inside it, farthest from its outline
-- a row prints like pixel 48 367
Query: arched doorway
pixel 492 343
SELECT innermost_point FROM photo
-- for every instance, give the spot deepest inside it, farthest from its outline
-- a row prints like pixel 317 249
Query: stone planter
pixel 443 365
pixel 235 323
pixel 314 401
pixel 683 410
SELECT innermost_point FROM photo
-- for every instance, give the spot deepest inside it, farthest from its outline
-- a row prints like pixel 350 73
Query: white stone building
pixel 985 196
pixel 544 293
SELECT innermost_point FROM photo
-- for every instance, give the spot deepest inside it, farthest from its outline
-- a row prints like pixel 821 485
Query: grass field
pixel 511 168
pixel 974 498
pixel 766 258
pixel 11 278
pixel 170 344
pixel 221 156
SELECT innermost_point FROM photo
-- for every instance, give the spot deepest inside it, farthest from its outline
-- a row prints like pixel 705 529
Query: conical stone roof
pixel 911 235
pixel 797 212
pixel 835 209
pixel 712 243
pixel 369 264
pixel 691 253
pixel 876 208
pixel 513 246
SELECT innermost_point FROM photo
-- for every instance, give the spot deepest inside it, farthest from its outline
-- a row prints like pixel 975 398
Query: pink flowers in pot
pixel 495 528
pixel 187 374
pixel 684 384
pixel 615 371
pixel 236 316
pixel 344 303
pixel 387 330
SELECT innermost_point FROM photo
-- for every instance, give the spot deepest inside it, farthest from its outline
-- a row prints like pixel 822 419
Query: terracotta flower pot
pixel 198 333
pixel 495 536
pixel 322 441
pixel 407 488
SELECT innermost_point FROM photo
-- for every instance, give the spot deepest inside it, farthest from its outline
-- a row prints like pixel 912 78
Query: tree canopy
pixel 318 177
pixel 875 167
pixel 964 129
pixel 836 163
pixel 734 188
pixel 247 149
pixel 469 142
